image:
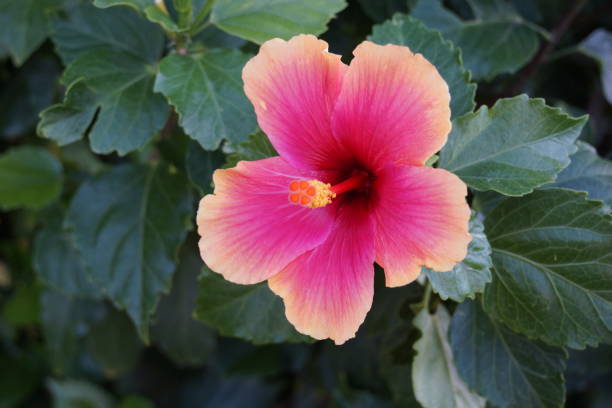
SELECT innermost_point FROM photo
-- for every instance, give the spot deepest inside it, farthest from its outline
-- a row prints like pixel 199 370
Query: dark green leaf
pixel 435 15
pixel 552 267
pixel 113 52
pixel 23 26
pixel 67 122
pixel 212 37
pixel 130 113
pixel 487 9
pixel 64 321
pixel 114 343
pixel 206 91
pixel 201 165
pixel 261 20
pixel 185 340
pixel 159 16
pixel 88 28
pixel 135 401
pixel 587 172
pixel 58 263
pixel 469 276
pixel 250 312
pixel 29 177
pixel 586 366
pixel 154 12
pixel 211 390
pixel 495 47
pixel 489 47
pixel 505 367
pixel 256 147
pixel 599 45
pixel 434 375
pixel 21 376
pixel 23 307
pixel 128 224
pixel 393 318
pixel 398 375
pixel 25 94
pixel 485 201
pixel 405 30
pixel 381 10
pixel 135 4
pixel 516 146
pixel 76 393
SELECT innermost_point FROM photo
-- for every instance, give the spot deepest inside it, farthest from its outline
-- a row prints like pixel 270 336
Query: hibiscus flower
pixel 349 188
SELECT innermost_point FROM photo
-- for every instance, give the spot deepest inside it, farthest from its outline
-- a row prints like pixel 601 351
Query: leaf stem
pixel 199 29
pixel 201 16
pixel 424 303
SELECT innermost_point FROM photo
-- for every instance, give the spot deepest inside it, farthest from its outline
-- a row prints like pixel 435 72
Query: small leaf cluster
pixel 115 115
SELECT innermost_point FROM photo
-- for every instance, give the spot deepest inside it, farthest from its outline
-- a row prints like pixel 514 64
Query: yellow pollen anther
pixel 310 193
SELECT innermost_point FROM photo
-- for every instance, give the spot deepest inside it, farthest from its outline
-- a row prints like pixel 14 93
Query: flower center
pixel 315 193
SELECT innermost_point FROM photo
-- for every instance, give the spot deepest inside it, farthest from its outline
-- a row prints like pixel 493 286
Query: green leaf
pixel 137 5
pixel 185 340
pixel 23 26
pixel 435 15
pixel 29 177
pixel 250 312
pixel 149 8
pixel 434 375
pixel 114 52
pixel 599 45
pixel 212 37
pixel 201 164
pixel 206 91
pixel 487 9
pixel 67 122
pixel 587 172
pixel 489 47
pixel 86 28
pixel 495 47
pixel 405 30
pixel 128 224
pixel 261 20
pixel 57 262
pixel 157 15
pixel 77 393
pixel 130 113
pixel 256 147
pixel 470 275
pixel 552 267
pixel 505 367
pixel 114 343
pixel 485 201
pixel 516 146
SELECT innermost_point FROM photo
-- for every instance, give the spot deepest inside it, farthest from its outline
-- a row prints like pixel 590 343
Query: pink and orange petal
pixel 421 220
pixel 293 86
pixel 249 230
pixel 394 107
pixel 329 290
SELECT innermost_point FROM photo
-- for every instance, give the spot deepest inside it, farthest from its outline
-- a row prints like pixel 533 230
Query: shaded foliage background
pixel 110 129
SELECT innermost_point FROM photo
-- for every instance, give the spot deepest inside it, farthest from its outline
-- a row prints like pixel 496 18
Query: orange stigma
pixel 310 193
pixel 315 193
